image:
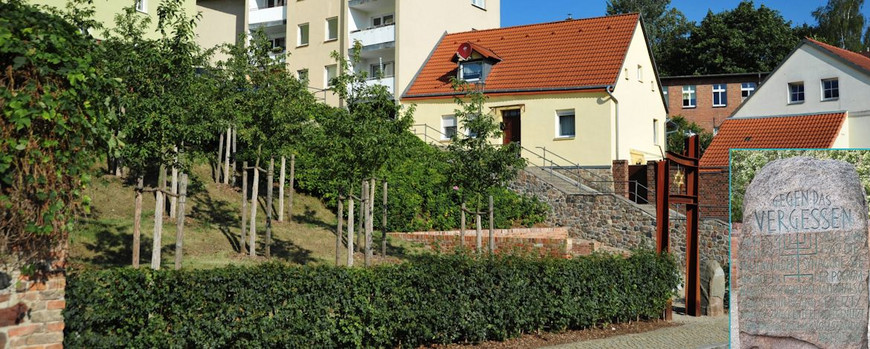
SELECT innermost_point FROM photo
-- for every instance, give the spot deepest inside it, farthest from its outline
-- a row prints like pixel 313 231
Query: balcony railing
pixel 389 82
pixel 374 36
pixel 267 16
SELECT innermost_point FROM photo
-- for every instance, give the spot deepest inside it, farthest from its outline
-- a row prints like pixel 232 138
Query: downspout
pixel 609 90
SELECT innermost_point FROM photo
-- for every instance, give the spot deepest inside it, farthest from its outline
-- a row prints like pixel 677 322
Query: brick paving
pixel 695 332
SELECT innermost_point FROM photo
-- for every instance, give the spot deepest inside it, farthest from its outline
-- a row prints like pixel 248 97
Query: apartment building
pixel 396 36
pixel 708 100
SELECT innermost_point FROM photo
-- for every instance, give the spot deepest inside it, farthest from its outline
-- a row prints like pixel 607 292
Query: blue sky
pixel 517 12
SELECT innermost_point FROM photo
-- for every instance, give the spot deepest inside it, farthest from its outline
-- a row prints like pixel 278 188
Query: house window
pixel 626 74
pixel 471 71
pixel 331 28
pixel 278 44
pixel 652 86
pixel 655 131
pixel 302 74
pixel 274 3
pixel 796 92
pixel 380 21
pixel 830 89
pixel 330 74
pixel 720 95
pixel 381 70
pixel 689 96
pixel 448 126
pixel 565 123
pixel 639 73
pixel 667 99
pixel 747 89
pixel 141 6
pixel 479 3
pixel 302 38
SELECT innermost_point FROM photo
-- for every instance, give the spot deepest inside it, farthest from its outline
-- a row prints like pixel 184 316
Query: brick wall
pixel 31 312
pixel 620 177
pixel 714 193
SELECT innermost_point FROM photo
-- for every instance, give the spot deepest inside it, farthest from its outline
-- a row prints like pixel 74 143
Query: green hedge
pixel 434 299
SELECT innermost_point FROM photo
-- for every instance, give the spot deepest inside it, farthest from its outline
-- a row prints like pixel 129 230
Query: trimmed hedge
pixel 434 299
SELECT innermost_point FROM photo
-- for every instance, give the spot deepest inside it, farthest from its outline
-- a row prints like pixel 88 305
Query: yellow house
pixel 580 92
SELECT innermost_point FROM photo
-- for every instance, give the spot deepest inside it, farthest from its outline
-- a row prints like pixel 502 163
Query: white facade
pixel 811 65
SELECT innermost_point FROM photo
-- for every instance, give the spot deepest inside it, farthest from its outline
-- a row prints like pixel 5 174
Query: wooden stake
pixel 270 180
pixel 227 157
pixel 462 226
pixel 252 233
pixel 350 236
pixel 219 160
pixel 179 224
pixel 137 222
pixel 364 220
pixel 159 207
pixel 233 158
pixel 173 200
pixel 370 222
pixel 281 190
pixel 338 232
pixel 384 225
pixel 479 241
pixel 491 228
pixel 292 189
pixel 242 248
pixel 362 215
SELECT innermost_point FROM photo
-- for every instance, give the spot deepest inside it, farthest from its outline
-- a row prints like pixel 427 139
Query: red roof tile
pixel 857 59
pixel 798 131
pixel 570 54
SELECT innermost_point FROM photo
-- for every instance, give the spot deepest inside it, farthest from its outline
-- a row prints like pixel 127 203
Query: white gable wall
pixel 811 65
pixel 640 102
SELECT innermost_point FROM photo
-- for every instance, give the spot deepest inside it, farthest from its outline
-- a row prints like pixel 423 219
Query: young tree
pixel 841 23
pixel 677 137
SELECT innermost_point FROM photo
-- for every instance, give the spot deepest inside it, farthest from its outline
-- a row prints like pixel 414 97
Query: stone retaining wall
pixel 544 241
pixel 618 222
pixel 31 312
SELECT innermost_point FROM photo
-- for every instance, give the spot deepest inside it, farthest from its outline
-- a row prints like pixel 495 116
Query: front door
pixel 511 122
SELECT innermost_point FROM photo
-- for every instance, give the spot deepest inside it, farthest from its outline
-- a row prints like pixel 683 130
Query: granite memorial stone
pixel 803 260
pixel 712 288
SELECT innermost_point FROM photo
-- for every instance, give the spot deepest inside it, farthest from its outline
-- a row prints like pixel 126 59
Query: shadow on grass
pixel 219 212
pixel 113 245
pixel 287 250
pixel 309 216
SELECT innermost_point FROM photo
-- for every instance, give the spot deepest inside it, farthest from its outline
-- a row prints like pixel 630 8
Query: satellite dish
pixel 464 51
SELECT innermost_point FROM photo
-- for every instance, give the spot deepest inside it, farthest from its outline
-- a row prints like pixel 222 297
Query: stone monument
pixel 712 288
pixel 803 260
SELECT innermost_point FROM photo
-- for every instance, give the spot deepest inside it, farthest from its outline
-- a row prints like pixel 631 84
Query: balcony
pixel 389 82
pixel 375 38
pixel 266 17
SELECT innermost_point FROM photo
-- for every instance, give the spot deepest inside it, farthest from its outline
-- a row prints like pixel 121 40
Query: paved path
pixel 701 332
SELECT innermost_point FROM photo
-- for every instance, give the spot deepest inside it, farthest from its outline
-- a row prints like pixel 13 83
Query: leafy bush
pixel 436 299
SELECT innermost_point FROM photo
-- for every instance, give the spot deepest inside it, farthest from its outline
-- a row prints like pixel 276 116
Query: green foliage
pixel 54 119
pixel 745 163
pixel 436 299
pixel 841 24
pixel 667 30
pixel 677 137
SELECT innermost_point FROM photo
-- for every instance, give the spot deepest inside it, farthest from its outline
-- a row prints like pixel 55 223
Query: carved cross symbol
pixel 798 245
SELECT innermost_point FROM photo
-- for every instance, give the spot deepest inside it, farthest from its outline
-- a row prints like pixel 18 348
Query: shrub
pixel 435 299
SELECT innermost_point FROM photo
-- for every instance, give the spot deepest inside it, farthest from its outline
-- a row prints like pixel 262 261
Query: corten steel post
pixel 663 217
pixel 693 282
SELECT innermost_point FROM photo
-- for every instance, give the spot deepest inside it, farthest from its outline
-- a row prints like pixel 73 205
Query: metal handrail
pixel 425 133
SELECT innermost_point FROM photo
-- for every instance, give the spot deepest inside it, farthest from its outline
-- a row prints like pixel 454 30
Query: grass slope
pixel 211 232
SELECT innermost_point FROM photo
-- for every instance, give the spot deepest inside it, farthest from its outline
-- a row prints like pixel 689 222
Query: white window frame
pixel 667 98
pixel 747 88
pixel 302 75
pixel 462 71
pixel 142 6
pixel 479 3
pixel 383 20
pixel 444 125
pixel 834 90
pixel 274 3
pixel 326 76
pixel 299 36
pixel 691 91
pixel 384 67
pixel 802 92
pixel 328 31
pixel 275 41
pixel 656 131
pixel 722 90
pixel 639 72
pixel 561 113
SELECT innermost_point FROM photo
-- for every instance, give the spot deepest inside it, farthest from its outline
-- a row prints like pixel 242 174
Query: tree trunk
pixel 281 190
pixel 179 222
pixel 137 221
pixel 227 157
pixel 219 160
pixel 292 190
pixel 462 226
pixel 252 233
pixel 370 205
pixel 361 214
pixel 338 232
pixel 159 207
pixel 479 240
pixel 350 236
pixel 173 200
pixel 242 249
pixel 384 225
pixel 270 179
pixel 233 158
pixel 491 228
pixel 364 220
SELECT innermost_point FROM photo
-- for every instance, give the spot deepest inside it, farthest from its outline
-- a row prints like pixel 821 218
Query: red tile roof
pixel 859 60
pixel 566 55
pixel 797 131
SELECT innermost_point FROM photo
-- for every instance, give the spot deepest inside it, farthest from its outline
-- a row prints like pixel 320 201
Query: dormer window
pixel 471 71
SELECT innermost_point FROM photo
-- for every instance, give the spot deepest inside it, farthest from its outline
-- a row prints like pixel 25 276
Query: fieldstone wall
pixel 31 311
pixel 618 222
